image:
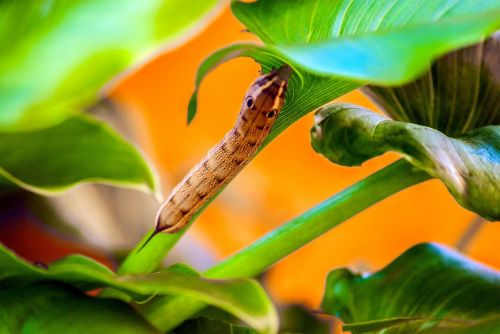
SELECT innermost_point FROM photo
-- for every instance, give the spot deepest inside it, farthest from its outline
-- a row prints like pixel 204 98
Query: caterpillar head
pixel 264 100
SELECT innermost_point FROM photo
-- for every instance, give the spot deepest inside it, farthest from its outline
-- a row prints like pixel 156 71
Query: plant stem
pixel 150 257
pixel 470 233
pixel 168 312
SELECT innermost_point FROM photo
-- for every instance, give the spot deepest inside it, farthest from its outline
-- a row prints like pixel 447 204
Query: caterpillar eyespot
pixel 271 114
pixel 230 156
pixel 250 102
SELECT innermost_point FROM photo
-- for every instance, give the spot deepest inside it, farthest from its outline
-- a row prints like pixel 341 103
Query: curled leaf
pixel 349 135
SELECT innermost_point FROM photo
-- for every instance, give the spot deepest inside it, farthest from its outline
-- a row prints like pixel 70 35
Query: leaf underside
pixel 459 93
pixel 428 289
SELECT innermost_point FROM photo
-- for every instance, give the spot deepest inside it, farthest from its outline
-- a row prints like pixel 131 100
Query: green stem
pixel 150 257
pixel 168 312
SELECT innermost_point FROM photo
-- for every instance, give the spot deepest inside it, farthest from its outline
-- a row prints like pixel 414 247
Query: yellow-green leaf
pixel 80 149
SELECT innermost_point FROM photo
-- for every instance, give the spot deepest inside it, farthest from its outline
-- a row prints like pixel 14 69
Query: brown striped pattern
pixel 227 158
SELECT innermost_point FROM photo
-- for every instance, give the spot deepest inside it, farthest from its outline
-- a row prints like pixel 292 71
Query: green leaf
pixel 293 319
pixel 298 319
pixel 47 307
pixel 336 46
pixel 407 51
pixel 243 298
pixel 458 94
pixel 428 289
pixel 203 325
pixel 55 56
pixel 80 149
pixel 349 135
pixel 488 326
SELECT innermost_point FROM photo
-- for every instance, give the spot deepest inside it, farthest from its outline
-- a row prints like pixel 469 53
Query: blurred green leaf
pixel 47 308
pixel 336 46
pixel 203 325
pixel 80 149
pixel 55 56
pixel 243 298
pixel 428 289
pixel 293 319
pixel 468 165
pixel 298 319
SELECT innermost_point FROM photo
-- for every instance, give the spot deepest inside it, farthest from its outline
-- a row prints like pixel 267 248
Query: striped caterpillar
pixel 263 102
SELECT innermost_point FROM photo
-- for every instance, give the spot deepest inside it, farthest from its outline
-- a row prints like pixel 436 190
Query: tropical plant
pixel 444 122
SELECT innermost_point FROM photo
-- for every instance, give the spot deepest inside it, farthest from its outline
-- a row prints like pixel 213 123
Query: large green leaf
pixel 336 46
pixel 243 298
pixel 428 289
pixel 47 308
pixel 80 149
pixel 349 135
pixel 56 55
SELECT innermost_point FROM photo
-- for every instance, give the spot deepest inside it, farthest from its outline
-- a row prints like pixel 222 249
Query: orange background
pixel 286 179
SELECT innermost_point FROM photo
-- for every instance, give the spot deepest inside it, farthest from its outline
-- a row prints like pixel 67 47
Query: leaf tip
pixel 192 107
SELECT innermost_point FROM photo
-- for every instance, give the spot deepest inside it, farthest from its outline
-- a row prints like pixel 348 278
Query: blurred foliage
pixel 48 307
pixel 298 319
pixel 428 289
pixel 55 56
pixel 204 325
pixel 80 149
pixel 243 298
pixel 294 318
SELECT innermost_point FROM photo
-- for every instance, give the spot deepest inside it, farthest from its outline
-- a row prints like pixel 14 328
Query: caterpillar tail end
pixel 155 232
pixel 159 228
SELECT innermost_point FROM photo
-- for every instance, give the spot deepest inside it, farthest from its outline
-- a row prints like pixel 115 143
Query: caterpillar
pixel 259 110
